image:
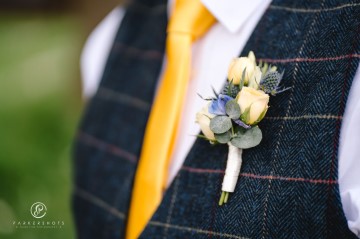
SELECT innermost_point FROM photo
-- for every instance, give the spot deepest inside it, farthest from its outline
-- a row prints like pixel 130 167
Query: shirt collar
pixel 232 14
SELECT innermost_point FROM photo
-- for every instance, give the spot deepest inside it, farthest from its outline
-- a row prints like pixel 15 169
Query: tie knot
pixel 190 17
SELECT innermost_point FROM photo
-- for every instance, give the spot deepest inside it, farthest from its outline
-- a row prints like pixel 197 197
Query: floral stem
pixel 222 198
pixel 226 197
pixel 233 166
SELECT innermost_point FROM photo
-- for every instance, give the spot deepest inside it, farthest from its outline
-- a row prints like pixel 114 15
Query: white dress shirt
pixel 210 60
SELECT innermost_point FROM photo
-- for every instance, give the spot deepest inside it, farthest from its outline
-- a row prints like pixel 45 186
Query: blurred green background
pixel 40 105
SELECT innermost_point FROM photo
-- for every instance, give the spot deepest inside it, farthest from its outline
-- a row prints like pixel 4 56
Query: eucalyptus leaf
pixel 223 138
pixel 248 138
pixel 220 124
pixel 232 109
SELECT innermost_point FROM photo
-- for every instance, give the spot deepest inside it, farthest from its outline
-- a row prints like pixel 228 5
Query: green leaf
pixel 230 87
pixel 200 136
pixel 245 117
pixel 220 124
pixel 232 109
pixel 248 139
pixel 264 68
pixel 242 81
pixel 223 138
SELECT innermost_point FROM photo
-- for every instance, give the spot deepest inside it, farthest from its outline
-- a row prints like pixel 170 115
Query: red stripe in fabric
pixel 267 177
pixel 137 52
pixel 309 59
pixel 92 141
pixel 271 177
pixel 201 170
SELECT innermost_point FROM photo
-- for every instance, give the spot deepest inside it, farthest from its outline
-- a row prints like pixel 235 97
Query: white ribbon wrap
pixel 232 171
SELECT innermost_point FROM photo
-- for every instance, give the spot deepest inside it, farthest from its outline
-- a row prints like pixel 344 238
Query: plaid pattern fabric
pixel 110 136
pixel 288 186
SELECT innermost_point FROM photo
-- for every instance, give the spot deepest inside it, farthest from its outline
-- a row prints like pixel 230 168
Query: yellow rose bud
pixel 251 56
pixel 257 100
pixel 273 68
pixel 203 119
pixel 237 67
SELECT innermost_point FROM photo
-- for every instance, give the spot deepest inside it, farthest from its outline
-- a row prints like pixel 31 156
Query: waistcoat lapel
pixel 288 185
pixel 110 136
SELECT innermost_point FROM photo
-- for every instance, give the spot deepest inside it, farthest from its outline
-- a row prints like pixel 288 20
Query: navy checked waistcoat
pixel 288 186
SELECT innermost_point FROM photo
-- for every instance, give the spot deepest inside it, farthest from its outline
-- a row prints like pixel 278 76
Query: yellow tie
pixel 189 21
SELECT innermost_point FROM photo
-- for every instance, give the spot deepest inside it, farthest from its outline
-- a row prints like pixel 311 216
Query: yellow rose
pixel 237 67
pixel 203 119
pixel 257 100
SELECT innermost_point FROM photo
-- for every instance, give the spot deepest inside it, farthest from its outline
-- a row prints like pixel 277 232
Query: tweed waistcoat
pixel 288 184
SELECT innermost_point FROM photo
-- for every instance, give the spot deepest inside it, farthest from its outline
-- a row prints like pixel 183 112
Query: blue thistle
pixel 270 82
pixel 217 106
pixel 230 89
